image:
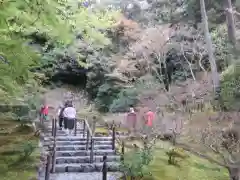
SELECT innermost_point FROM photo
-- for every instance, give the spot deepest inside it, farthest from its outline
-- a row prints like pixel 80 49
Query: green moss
pixel 191 168
pixel 12 164
pixel 105 130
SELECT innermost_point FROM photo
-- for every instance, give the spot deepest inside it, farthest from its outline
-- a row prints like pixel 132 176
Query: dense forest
pixel 107 50
pixel 169 55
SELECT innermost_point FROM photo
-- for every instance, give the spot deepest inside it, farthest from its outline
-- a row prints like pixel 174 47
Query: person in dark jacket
pixel 132 120
pixel 60 114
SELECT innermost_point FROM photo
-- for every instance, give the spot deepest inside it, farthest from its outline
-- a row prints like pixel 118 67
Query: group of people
pixel 66 116
pixel 132 120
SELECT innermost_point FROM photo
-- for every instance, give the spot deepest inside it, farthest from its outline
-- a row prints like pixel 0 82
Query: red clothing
pixel 44 110
pixel 150 117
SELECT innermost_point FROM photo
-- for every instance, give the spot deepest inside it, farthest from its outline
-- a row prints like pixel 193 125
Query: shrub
pixel 230 88
pixel 105 96
pixel 175 155
pixel 135 163
pixel 125 99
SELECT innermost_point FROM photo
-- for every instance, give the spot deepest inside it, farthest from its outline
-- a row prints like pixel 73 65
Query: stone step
pixel 63 131
pixel 86 167
pixel 66 143
pixel 77 138
pixel 85 176
pixel 81 147
pixel 84 159
pixel 50 125
pixel 49 135
pixel 60 133
pixel 99 152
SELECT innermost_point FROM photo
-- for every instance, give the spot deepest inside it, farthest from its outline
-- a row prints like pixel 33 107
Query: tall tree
pixel 230 22
pixel 215 75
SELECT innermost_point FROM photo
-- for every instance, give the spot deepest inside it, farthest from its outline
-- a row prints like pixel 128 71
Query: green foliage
pixel 125 99
pixel 51 26
pixel 27 149
pixel 24 108
pixel 100 66
pixel 16 73
pixel 223 49
pixel 214 10
pixel 106 95
pixel 18 20
pixel 115 97
pixel 86 53
pixel 230 88
pixel 136 163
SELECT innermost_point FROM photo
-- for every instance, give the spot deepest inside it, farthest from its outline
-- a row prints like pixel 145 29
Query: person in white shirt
pixel 69 115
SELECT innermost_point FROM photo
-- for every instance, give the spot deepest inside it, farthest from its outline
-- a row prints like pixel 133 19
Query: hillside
pixel 118 54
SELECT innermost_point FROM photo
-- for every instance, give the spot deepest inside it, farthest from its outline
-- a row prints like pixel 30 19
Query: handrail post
pixel 84 128
pixel 53 124
pixel 122 151
pixel 113 137
pixel 87 143
pixel 92 148
pixel 104 168
pixel 55 127
pixel 54 149
pixel 75 127
pixel 47 170
pixel 40 118
pixel 94 126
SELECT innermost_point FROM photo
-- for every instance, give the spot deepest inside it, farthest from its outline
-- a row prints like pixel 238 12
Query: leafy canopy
pixel 58 21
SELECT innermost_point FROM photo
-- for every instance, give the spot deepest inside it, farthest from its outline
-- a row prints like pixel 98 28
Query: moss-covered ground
pixel 18 153
pixel 191 168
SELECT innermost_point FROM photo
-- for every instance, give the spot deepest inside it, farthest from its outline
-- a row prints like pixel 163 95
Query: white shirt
pixel 70 112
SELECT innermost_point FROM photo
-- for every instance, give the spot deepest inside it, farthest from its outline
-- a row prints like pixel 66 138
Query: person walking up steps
pixel 69 115
pixel 60 114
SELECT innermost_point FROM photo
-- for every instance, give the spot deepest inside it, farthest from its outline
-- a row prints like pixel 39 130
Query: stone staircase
pixel 73 161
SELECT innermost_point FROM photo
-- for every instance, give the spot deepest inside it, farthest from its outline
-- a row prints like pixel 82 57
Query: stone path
pixel 73 159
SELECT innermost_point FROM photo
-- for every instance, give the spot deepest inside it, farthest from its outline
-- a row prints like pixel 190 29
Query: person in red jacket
pixel 149 117
pixel 44 112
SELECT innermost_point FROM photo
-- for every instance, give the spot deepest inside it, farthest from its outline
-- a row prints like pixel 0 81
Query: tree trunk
pixel 215 75
pixel 230 22
pixel 234 173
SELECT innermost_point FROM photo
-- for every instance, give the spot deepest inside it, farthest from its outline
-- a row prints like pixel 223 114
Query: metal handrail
pixel 88 127
pixel 47 167
pixel 54 146
pixel 51 157
pixel 104 168
pixel 90 135
pixel 115 139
